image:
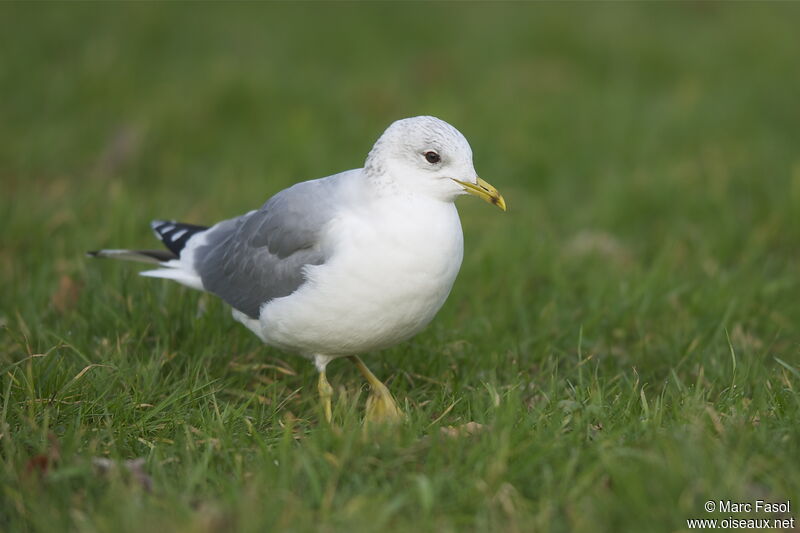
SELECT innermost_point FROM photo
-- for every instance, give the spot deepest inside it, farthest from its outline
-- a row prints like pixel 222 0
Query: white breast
pixel 393 266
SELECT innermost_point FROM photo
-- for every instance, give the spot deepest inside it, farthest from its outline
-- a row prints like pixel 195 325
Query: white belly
pixel 384 283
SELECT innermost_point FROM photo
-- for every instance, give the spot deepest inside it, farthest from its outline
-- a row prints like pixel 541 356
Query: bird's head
pixel 426 155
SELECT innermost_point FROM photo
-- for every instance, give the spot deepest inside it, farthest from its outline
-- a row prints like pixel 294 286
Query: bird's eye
pixel 432 157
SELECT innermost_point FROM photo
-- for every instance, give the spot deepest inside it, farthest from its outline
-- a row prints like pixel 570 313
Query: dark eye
pixel 432 157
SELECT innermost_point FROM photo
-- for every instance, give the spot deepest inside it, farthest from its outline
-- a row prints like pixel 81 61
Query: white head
pixel 428 156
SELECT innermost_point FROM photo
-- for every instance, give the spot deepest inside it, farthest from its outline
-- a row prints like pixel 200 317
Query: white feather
pixel 182 269
pixel 181 276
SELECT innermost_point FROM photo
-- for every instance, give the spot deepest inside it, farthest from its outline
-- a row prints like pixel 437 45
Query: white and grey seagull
pixel 343 265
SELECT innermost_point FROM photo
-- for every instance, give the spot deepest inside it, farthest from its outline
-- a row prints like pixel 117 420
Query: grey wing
pixel 257 257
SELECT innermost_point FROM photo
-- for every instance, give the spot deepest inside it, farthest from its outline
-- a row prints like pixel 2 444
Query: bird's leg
pixel 323 387
pixel 325 395
pixel 381 406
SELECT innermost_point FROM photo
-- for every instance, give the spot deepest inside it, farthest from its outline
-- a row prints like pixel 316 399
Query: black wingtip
pixel 93 253
pixel 175 235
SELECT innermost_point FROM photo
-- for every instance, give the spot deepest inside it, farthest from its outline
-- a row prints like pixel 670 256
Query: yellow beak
pixel 485 191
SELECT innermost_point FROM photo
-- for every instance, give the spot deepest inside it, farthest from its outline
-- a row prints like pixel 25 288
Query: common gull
pixel 343 265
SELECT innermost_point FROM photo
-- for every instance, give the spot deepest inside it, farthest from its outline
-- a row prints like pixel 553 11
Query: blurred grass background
pixel 628 332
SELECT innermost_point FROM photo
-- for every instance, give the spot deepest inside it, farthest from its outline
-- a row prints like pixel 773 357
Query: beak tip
pixel 485 191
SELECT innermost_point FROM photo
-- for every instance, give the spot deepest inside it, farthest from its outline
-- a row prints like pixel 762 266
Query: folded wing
pixel 250 260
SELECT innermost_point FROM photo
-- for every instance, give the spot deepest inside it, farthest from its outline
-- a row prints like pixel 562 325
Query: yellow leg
pixel 325 395
pixel 381 406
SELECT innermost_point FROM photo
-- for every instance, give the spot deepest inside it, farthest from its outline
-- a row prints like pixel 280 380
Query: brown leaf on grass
pixel 464 430
pixel 40 464
pixel 66 295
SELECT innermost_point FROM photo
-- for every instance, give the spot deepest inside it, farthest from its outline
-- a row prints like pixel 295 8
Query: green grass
pixel 629 332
